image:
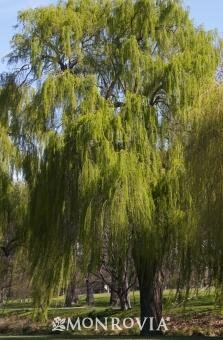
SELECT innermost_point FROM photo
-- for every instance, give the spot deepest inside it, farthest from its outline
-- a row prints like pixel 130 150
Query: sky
pixel 208 13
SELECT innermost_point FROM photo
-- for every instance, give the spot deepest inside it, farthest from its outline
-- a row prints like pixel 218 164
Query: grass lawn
pixel 198 316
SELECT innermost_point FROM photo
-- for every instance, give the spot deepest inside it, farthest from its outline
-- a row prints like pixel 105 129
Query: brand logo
pixel 112 323
pixel 58 324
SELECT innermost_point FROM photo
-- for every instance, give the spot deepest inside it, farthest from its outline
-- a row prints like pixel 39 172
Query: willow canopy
pixel 107 90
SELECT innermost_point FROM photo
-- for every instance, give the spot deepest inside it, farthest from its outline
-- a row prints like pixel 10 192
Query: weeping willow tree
pixel 204 162
pixel 114 85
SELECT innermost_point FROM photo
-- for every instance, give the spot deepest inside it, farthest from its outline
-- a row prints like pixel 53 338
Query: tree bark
pixel 124 301
pixel 3 296
pixel 71 296
pixel 151 283
pixel 113 293
pixel 113 297
pixel 151 289
pixel 89 291
pixel 123 294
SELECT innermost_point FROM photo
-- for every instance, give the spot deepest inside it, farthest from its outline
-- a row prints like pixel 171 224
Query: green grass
pixel 204 301
pixel 198 306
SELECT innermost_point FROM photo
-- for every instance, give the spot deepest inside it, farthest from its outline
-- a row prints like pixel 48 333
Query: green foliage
pixel 9 165
pixel 204 153
pixel 104 127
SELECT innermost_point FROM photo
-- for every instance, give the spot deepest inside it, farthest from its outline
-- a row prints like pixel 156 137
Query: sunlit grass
pixel 198 301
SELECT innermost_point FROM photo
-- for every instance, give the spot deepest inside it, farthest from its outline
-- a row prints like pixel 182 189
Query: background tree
pixel 117 268
pixel 12 235
pixel 13 194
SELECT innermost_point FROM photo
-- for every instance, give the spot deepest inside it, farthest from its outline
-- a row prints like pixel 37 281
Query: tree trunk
pixel 1 298
pixel 113 298
pixel 124 301
pixel 71 296
pixel 148 267
pixel 151 289
pixel 89 295
pixel 123 293
pixel 113 293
